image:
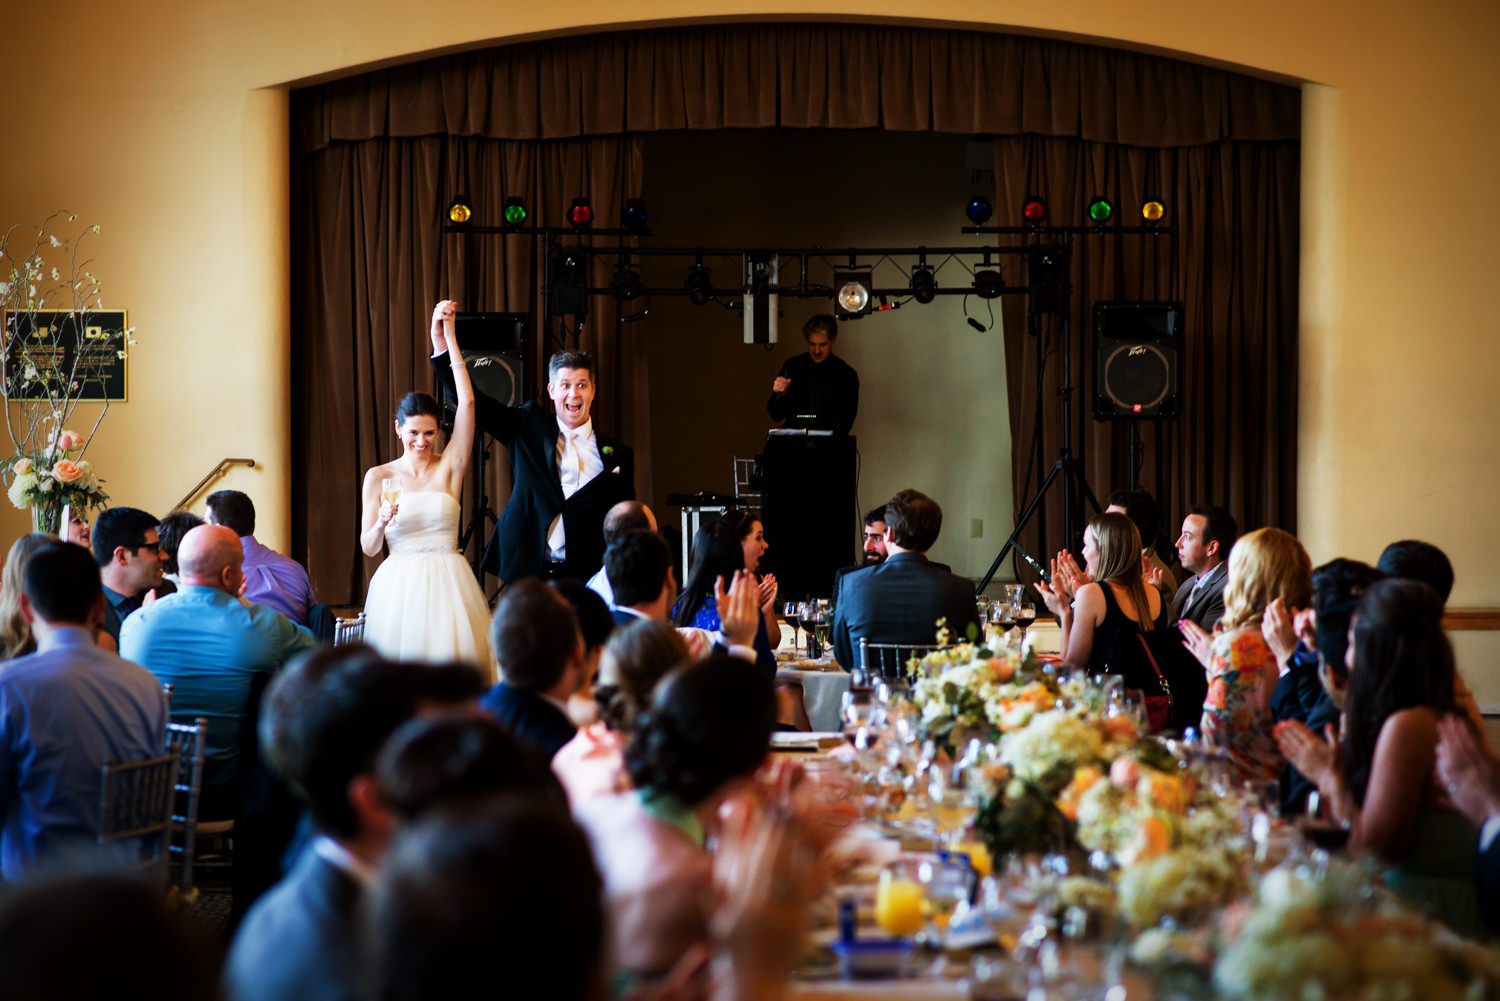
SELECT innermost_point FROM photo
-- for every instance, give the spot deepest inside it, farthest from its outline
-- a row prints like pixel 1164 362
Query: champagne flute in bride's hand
pixel 390 493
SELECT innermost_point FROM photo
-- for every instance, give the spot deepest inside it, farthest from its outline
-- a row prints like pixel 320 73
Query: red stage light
pixel 1035 210
pixel 582 213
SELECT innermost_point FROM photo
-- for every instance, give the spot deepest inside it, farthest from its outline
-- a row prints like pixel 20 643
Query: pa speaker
pixel 494 349
pixel 1137 349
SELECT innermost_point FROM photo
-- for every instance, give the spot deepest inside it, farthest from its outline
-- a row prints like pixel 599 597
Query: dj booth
pixel 809 509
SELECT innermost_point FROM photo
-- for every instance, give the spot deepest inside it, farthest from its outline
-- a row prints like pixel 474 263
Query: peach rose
pixel 22 467
pixel 69 440
pixel 66 471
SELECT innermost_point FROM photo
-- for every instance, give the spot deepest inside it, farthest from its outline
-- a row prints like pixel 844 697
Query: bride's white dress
pixel 423 602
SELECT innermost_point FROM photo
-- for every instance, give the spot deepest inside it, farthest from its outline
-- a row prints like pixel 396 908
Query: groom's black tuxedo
pixel 530 432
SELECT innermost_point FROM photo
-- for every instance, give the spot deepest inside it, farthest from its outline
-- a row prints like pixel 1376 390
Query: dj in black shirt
pixel 816 390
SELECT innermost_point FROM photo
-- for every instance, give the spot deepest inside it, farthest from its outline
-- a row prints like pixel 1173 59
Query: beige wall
pixel 150 120
pixel 932 409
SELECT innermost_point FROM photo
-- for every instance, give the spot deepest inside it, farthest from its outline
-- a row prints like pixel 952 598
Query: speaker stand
pixel 1067 470
pixel 482 512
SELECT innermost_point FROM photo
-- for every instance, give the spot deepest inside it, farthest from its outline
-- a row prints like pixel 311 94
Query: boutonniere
pixel 607 451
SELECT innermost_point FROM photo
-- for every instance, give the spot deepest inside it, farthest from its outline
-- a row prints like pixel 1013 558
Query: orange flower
pixel 66 471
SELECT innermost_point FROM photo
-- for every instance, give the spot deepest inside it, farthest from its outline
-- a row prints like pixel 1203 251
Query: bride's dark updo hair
pixel 418 405
pixel 709 722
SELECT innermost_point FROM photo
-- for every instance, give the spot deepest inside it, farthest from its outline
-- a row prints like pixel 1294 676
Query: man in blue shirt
pixel 64 711
pixel 212 648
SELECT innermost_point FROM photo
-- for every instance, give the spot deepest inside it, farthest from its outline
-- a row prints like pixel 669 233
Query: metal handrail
pixel 223 465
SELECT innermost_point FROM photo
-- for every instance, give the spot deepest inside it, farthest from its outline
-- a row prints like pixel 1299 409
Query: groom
pixel 565 477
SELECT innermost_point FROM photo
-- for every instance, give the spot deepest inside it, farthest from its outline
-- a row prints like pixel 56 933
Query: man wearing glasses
pixel 129 557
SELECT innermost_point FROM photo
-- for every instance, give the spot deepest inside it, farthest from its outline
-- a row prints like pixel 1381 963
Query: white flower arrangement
pixel 39 388
pixel 1179 883
pixel 1049 739
pixel 1326 934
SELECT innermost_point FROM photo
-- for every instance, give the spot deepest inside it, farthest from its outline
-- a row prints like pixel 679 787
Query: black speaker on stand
pixel 1137 361
pixel 494 350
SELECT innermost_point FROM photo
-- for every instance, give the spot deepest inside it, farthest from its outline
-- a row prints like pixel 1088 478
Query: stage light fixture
pixel 923 284
pixel 979 210
pixel 700 285
pixel 988 283
pixel 1153 210
pixel 1034 210
pixel 567 273
pixel 581 214
pixel 852 297
pixel 514 213
pixel 1100 211
pixel 460 211
pixel 626 283
pixel 633 216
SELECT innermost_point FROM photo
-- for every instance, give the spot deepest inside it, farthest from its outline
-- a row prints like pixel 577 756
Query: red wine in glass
pixel 1025 617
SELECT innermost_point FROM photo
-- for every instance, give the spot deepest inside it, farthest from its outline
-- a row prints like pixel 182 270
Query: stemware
pixel 789 611
pixel 390 491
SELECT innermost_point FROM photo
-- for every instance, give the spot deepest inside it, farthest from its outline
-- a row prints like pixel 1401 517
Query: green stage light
pixel 1101 211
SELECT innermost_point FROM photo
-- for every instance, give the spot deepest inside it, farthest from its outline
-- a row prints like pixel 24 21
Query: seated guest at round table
pixel 169 534
pixel 706 732
pixel 733 542
pixel 1266 565
pixel 15 629
pixel 1109 609
pixel 1381 780
pixel 636 657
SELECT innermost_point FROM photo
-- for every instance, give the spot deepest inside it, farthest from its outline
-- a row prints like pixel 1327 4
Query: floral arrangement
pixel 964 691
pixel 54 477
pixel 41 383
pixel 1324 932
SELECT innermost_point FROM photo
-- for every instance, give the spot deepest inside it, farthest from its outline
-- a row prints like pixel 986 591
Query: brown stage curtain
pixel 372 261
pixel 1232 262
pixel 802 76
pixel 376 157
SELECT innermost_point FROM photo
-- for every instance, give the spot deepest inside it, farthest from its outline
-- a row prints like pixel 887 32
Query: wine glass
pixel 945 885
pixel 789 612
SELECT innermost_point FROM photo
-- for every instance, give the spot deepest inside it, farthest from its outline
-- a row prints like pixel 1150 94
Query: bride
pixel 424 602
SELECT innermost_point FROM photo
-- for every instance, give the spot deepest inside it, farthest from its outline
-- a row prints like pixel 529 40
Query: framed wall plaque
pixel 49 341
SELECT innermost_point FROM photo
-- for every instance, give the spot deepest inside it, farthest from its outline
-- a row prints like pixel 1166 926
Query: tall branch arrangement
pixel 45 367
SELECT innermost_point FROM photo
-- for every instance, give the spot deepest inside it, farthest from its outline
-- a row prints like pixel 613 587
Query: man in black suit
pixel 1208 533
pixel 325 720
pixel 1471 775
pixel 901 600
pixel 537 641
pixel 565 477
pixel 816 390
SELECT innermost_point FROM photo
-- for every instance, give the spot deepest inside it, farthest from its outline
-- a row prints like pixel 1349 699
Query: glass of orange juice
pixel 898 902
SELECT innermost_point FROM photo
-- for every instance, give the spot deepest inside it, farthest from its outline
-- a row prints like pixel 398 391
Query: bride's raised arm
pixel 461 442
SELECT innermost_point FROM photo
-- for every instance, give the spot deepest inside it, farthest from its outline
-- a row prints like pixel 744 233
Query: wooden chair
pixel 186 742
pixel 135 804
pixel 349 630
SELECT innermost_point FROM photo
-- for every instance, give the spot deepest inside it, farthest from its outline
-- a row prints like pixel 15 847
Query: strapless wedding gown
pixel 423 602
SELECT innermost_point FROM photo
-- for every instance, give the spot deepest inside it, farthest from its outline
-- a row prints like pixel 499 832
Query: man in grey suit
pixel 1208 533
pixel 902 599
pixel 326 718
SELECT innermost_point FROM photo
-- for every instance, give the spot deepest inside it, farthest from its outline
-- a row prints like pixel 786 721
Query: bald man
pixel 626 516
pixel 211 648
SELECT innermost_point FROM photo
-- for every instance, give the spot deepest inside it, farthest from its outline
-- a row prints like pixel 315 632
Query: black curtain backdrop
pixel 377 157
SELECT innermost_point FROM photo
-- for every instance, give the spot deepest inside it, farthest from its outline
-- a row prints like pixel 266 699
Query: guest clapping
pixel 1380 780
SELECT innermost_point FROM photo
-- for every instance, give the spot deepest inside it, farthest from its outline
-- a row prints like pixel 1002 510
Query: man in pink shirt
pixel 271 579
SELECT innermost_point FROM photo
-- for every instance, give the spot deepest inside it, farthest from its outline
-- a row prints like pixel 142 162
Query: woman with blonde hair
pixel 15 632
pixel 1100 628
pixel 1265 565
